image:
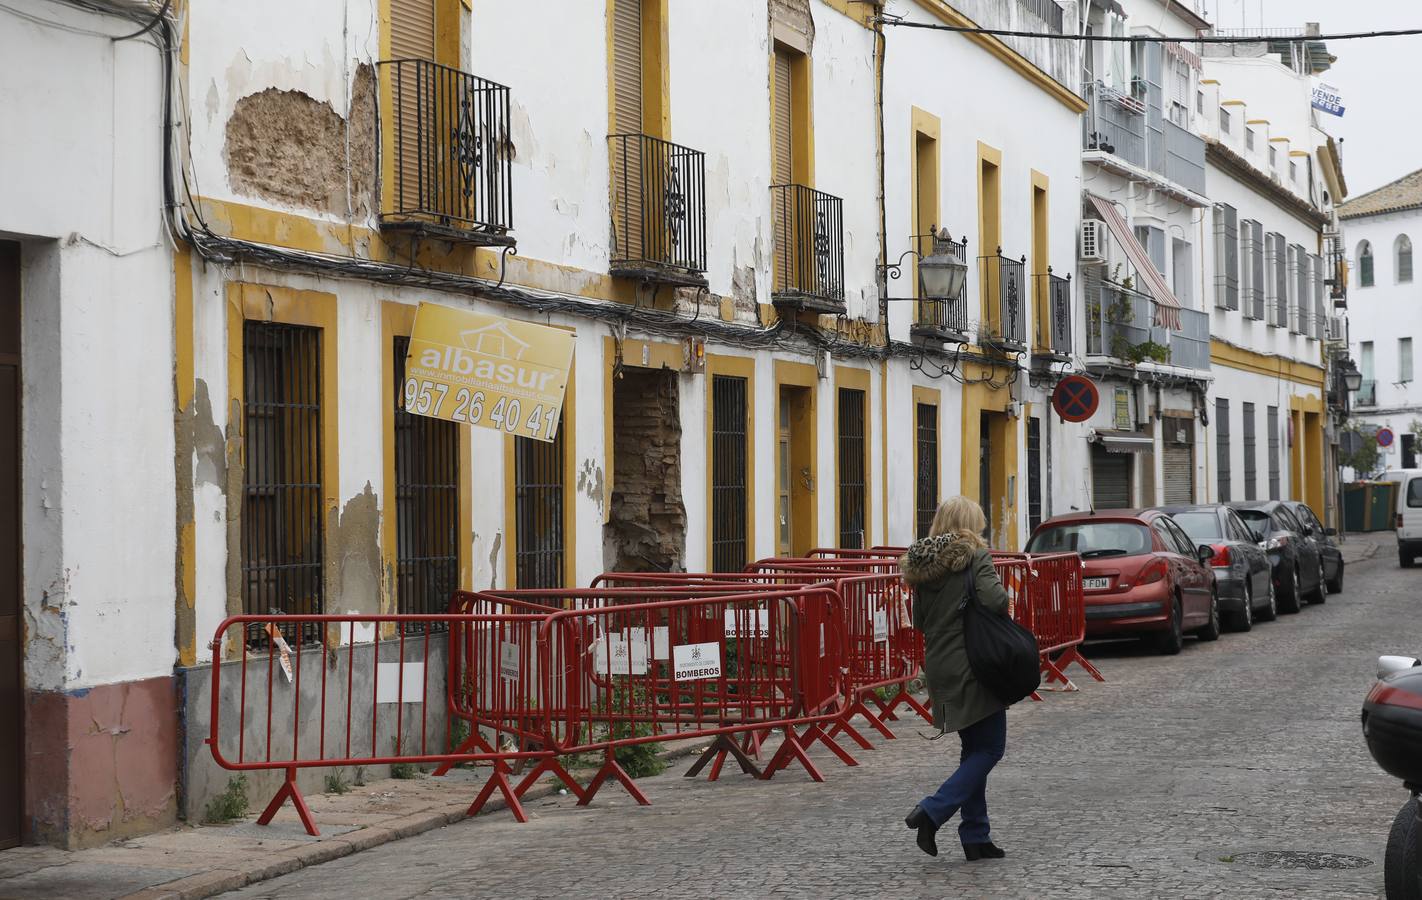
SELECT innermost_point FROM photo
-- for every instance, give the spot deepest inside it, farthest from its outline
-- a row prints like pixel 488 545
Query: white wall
pixel 85 198
pixel 1385 312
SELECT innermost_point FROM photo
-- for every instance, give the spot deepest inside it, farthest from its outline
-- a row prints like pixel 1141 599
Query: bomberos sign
pixel 477 369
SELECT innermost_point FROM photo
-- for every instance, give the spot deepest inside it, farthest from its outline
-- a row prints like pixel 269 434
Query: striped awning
pixel 1167 307
pixel 1121 441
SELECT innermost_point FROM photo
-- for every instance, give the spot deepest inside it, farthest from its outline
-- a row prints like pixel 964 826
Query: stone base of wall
pixel 101 763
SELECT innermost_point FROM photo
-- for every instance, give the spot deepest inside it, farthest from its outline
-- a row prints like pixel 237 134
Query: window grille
pixel 926 478
pixel 426 504
pixel 729 549
pixel 538 512
pixel 1222 447
pixel 1273 438
pixel 282 535
pixel 852 468
pixel 1250 469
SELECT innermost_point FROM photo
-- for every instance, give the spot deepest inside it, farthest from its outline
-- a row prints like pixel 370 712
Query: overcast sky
pixel 1382 97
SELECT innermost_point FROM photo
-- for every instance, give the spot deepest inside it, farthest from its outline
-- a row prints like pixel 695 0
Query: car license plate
pixel 1096 584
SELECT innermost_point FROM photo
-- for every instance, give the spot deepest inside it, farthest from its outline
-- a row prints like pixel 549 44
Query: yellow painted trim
pixel 314 309
pixel 1309 404
pixel 858 12
pixel 807 509
pixel 183 387
pixel 638 354
pixel 449 25
pixel 1209 81
pixel 884 448
pixel 802 113
pixel 739 367
pixel 1232 357
pixel 1233 103
pixel 856 379
pixel 1298 153
pixel 1256 121
pixel 930 397
pixel 566 428
pixel 398 320
pixel 1014 60
pixel 1282 140
pixel 929 126
pixel 989 217
pixel 1041 258
pixel 980 397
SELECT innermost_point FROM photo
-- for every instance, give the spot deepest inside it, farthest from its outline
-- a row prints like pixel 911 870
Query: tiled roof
pixel 1404 193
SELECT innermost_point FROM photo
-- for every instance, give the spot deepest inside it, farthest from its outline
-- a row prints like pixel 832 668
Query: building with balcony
pixel 1273 279
pixel 1384 320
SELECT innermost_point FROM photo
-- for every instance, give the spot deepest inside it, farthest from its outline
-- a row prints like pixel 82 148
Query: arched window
pixel 1365 264
pixel 1403 253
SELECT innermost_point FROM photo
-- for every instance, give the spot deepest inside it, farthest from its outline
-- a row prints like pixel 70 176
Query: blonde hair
pixel 960 516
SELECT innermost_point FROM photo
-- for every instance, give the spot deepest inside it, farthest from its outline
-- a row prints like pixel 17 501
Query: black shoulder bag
pixel 1002 654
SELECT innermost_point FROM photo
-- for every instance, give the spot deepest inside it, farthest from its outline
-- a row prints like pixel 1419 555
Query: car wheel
pixel 1293 596
pixel 1402 878
pixel 1404 558
pixel 1336 585
pixel 1320 595
pixel 1271 611
pixel 1211 631
pixel 1170 642
pixel 1244 619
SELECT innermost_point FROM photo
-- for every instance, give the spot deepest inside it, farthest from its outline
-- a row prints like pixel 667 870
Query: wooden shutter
pixel 627 66
pixel 783 170
pixel 412 36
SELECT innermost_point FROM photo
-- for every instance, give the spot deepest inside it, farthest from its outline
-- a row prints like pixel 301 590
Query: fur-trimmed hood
pixel 932 558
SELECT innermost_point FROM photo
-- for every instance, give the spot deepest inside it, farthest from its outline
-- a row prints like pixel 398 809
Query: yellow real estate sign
pixel 477 369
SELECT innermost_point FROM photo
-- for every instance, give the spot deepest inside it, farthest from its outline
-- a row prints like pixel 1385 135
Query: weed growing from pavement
pixel 228 805
pixel 336 782
pixel 404 771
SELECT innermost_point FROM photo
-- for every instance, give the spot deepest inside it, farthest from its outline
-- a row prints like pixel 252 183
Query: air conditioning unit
pixel 1337 330
pixel 1094 238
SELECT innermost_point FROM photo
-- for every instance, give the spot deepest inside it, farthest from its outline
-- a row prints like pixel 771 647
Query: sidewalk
pixel 194 861
pixel 1366 545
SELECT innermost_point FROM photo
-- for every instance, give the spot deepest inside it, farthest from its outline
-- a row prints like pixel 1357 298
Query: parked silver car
pixel 1242 572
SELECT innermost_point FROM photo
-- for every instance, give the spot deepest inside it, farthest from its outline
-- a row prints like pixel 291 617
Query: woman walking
pixel 938 568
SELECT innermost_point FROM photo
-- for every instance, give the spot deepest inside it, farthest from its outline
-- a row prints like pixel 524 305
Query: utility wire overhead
pixel 1153 39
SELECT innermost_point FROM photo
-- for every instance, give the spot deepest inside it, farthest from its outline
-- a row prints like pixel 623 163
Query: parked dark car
pixel 1292 557
pixel 1329 554
pixel 1243 576
pixel 1142 575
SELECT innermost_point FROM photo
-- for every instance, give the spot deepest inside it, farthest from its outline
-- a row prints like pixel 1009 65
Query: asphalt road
pixel 1176 778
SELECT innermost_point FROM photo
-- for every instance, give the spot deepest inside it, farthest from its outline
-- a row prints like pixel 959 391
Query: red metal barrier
pixel 1059 613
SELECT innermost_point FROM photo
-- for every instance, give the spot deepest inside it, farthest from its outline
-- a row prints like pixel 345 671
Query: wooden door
pixel 783 172
pixel 12 720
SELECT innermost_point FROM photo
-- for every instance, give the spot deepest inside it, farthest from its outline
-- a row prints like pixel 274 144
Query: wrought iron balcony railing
pixel 658 210
pixel 1367 394
pixel 1053 334
pixel 449 145
pixel 809 248
pixel 947 318
pixel 1121 324
pixel 1004 292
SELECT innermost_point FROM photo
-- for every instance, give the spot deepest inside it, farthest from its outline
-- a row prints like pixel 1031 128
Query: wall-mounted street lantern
pixel 1352 378
pixel 942 274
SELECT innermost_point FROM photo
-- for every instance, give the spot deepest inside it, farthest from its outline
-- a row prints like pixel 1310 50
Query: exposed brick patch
pixel 646 530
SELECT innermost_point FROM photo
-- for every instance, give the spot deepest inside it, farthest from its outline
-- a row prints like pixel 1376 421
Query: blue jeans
pixel 965 791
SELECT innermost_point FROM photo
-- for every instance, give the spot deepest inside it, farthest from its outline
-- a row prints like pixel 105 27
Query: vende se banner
pixel 477 369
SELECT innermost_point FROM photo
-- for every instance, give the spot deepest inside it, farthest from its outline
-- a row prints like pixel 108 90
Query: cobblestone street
pixel 1153 784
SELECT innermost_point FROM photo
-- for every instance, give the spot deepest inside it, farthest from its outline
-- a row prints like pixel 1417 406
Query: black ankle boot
pixel 989 850
pixel 927 831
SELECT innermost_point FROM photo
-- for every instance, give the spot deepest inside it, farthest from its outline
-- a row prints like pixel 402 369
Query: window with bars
pixel 1404 259
pixel 538 512
pixel 1250 470
pixel 1034 473
pixel 282 536
pixel 1365 264
pixel 729 546
pixel 926 466
pixel 1252 243
pixel 1227 257
pixel 426 503
pixel 1273 425
pixel 1222 447
pixel 852 468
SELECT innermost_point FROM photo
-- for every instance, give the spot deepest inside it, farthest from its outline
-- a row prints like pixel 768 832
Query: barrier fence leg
pixel 817 733
pixel 499 778
pixel 904 697
pixel 1073 655
pixel 1054 675
pixel 611 768
pixel 792 748
pixel 723 745
pixel 475 741
pixel 859 709
pixel 289 789
pixel 845 727
pixel 549 764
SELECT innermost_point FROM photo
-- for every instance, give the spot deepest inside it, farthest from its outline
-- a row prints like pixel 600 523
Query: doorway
pixel 794 471
pixel 12 720
pixel 646 527
pixel 985 495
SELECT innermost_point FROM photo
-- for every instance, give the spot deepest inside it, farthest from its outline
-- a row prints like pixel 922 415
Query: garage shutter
pixel 1110 479
pixel 1179 464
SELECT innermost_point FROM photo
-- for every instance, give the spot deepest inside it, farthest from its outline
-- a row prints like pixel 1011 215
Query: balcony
pixel 1004 293
pixel 1120 324
pixel 1053 332
pixel 1114 123
pixel 658 210
pixel 451 160
pixel 942 319
pixel 1367 394
pixel 1184 158
pixel 809 249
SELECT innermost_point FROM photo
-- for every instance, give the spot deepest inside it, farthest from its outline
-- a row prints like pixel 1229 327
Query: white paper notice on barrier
pixel 660 642
pixel 744 623
pixel 396 689
pixel 881 625
pixel 616 654
pixel 695 662
pixel 508 661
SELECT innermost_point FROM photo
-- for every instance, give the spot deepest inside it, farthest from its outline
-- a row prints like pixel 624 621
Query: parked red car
pixel 1142 575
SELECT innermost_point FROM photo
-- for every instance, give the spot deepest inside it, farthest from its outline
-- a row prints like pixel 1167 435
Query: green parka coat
pixel 936 567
